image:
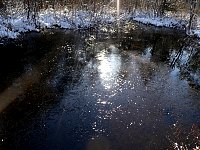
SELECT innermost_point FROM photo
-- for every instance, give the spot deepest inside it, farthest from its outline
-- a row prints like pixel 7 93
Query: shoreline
pixel 13 27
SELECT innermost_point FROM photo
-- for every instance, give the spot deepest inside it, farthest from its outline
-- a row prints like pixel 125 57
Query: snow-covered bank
pixel 162 22
pixel 13 25
pixel 169 22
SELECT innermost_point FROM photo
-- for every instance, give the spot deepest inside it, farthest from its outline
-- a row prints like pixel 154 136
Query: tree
pixel 1 4
pixel 193 15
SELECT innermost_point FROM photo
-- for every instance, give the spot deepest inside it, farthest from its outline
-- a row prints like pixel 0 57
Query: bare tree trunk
pixel 1 4
pixel 161 10
pixel 29 9
pixel 136 6
pixel 35 10
pixel 94 7
pixel 53 5
pixel 193 5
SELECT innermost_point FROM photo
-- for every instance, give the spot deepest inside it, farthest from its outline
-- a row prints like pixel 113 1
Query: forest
pixel 86 13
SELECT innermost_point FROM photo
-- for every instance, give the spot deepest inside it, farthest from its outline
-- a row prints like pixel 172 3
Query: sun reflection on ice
pixel 109 67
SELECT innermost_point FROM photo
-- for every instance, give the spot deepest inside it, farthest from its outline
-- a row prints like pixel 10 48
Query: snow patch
pixel 162 22
pixel 13 25
pixel 196 33
pixel 169 21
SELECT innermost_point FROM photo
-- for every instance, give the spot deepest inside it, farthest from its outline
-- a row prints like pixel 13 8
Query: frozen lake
pixel 136 88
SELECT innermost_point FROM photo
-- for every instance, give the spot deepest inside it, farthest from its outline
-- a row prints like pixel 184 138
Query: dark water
pixel 94 90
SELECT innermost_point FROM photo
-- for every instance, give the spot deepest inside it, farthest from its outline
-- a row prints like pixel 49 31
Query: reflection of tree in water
pixel 154 47
pixel 161 48
pixel 133 40
pixel 191 70
pixel 172 49
pixel 147 71
pixel 187 59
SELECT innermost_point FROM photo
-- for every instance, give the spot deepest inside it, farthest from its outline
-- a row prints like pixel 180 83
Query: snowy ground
pixel 12 26
pixel 170 22
pixel 162 22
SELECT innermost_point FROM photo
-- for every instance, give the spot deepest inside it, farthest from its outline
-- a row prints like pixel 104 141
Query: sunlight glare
pixel 109 67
